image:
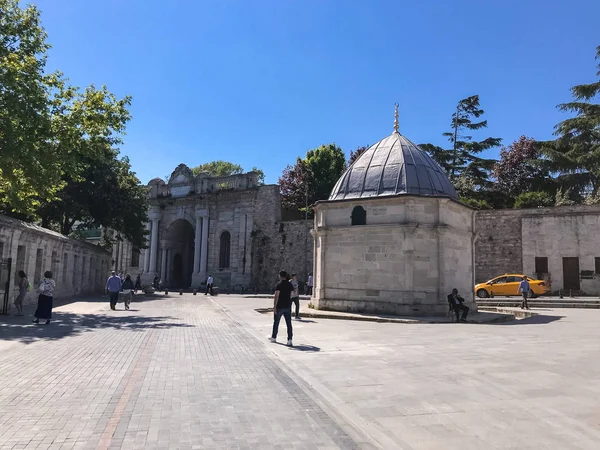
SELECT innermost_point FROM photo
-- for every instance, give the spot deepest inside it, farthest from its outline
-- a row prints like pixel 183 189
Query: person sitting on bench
pixel 456 305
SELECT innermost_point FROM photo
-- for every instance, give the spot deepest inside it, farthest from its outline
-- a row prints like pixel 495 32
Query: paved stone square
pixel 171 373
pixel 186 372
pixel 528 384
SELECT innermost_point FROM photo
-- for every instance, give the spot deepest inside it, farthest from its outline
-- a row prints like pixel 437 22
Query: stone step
pixel 590 304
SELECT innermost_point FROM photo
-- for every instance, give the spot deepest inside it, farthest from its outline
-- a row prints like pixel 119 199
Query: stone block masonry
pixel 78 267
pixel 560 245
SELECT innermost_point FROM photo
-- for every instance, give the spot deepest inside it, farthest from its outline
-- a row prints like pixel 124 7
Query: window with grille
pixel 225 250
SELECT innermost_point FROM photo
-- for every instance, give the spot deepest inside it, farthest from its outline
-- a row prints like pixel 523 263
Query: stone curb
pixel 503 317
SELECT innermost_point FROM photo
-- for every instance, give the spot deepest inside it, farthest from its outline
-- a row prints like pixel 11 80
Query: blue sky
pixel 260 82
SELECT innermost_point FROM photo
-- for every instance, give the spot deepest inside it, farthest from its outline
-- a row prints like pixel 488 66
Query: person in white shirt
pixel 209 285
pixel 524 290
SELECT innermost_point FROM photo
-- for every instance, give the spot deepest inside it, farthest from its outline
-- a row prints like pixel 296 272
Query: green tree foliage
pixel 312 178
pixel 59 144
pixel 106 194
pixel 575 154
pixel 467 170
pixel 30 166
pixel 521 170
pixel 218 168
pixel 535 199
pixel 224 169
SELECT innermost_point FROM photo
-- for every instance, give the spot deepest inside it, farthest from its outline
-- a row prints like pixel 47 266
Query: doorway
pixel 571 273
pixel 180 244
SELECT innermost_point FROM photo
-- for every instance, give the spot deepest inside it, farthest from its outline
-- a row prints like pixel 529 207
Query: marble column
pixel 147 252
pixel 154 244
pixel 197 243
pixel 163 264
pixel 204 248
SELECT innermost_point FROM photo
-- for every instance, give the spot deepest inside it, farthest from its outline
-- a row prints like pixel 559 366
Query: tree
pixel 575 154
pixel 101 190
pixel 311 179
pixel 224 169
pixel 30 166
pixel 354 155
pixel 462 163
pixel 520 169
pixel 536 199
pixel 218 168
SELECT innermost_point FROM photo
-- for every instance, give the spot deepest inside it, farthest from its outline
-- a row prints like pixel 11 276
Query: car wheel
pixel 482 293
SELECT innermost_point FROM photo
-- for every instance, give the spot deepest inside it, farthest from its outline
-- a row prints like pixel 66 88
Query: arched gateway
pixel 179 253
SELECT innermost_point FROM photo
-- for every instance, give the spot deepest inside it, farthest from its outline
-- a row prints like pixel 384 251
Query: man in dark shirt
pixel 282 306
pixel 456 304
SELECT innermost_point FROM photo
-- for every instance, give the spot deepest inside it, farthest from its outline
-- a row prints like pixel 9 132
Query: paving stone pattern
pixel 173 373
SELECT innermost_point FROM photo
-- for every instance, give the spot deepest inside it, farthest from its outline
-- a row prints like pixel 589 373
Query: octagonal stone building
pixel 393 237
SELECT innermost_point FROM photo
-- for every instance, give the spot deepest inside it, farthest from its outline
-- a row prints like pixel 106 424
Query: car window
pixel 499 280
pixel 513 279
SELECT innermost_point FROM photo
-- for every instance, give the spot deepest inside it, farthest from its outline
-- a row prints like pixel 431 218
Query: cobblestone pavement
pixel 172 373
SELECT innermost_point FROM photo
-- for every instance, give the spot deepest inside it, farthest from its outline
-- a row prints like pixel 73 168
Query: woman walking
pixel 127 290
pixel 46 290
pixel 23 285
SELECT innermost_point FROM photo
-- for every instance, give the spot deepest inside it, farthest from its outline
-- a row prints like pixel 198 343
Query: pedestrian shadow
pixel 305 348
pixel 66 324
pixel 306 321
pixel 301 347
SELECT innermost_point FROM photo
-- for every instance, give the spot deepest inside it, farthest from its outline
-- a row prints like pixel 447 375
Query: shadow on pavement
pixel 70 324
pixel 305 348
pixel 538 319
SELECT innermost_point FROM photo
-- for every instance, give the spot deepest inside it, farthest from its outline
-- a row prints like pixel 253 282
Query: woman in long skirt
pixel 46 291
pixel 23 283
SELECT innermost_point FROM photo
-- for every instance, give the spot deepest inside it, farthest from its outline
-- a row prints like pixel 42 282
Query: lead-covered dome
pixel 393 166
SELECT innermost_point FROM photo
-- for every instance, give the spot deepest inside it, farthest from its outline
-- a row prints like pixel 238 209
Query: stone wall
pixel 281 245
pixel 510 240
pixel 405 260
pixel 78 267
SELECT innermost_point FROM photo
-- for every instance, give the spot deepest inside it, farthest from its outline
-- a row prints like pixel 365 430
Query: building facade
pixel 393 237
pixel 559 244
pixel 227 227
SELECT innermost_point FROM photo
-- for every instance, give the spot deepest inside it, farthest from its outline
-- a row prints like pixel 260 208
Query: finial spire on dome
pixel 396 118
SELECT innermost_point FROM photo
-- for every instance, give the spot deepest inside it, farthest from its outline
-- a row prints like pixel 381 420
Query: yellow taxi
pixel 508 285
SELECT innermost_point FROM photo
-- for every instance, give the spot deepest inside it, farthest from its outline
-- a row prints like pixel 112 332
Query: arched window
pixel 359 216
pixel 225 249
pixel 135 257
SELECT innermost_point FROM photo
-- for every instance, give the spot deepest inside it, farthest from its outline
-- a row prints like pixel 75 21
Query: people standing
pixel 296 295
pixel 127 290
pixel 113 287
pixel 209 285
pixel 456 304
pixel 524 290
pixel 45 299
pixel 138 283
pixel 282 306
pixel 309 284
pixel 23 286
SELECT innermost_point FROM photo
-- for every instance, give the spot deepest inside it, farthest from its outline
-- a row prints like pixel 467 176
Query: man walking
pixel 456 304
pixel 524 290
pixel 209 285
pixel 309 284
pixel 296 295
pixel 113 286
pixel 282 306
